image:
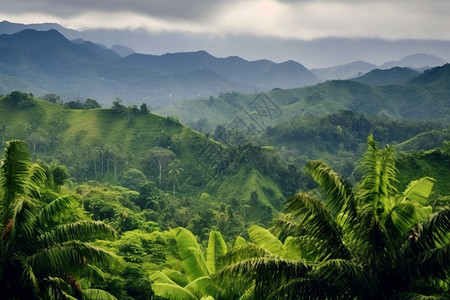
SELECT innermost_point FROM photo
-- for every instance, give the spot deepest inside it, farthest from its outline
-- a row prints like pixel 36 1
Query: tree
pixel 42 251
pixel 175 170
pixel 144 108
pixel 53 98
pixel 366 242
pixel 20 100
pixel 160 156
pixel 91 104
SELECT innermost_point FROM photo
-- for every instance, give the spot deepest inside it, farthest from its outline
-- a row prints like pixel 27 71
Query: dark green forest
pixel 289 194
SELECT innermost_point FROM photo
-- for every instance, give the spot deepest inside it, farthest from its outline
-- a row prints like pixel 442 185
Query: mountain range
pixel 49 62
pixel 44 62
pixel 316 53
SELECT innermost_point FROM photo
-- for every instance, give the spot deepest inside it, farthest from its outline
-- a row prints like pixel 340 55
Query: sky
pixel 264 19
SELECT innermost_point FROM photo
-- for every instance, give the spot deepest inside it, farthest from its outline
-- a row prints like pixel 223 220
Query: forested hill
pixel 425 97
pixel 124 144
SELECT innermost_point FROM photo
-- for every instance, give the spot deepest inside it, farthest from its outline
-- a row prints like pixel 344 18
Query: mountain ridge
pixel 137 77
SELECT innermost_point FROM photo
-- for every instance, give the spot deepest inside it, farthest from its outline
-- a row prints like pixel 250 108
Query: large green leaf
pixel 239 241
pixel 171 291
pixel 202 287
pixel 191 254
pixel 97 294
pixel 216 248
pixel 419 190
pixel 177 277
pixel 266 240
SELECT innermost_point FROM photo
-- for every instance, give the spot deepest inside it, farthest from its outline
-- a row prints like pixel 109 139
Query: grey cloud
pixel 168 9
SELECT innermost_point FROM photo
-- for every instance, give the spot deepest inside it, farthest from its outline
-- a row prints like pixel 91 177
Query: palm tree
pixel 175 170
pixel 41 251
pixel 366 242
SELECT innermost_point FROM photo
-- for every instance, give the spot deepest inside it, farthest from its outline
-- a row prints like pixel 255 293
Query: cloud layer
pixel 297 19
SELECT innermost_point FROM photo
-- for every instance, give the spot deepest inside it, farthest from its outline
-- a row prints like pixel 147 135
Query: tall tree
pixel 175 170
pixel 42 251
pixel 161 157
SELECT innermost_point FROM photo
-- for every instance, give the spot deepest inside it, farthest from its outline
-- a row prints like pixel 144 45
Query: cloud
pixel 290 19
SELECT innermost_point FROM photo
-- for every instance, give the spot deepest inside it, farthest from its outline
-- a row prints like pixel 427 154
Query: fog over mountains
pixel 316 53
pixel 74 66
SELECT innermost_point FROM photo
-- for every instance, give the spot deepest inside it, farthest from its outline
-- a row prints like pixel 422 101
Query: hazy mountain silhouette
pixel 49 61
pixel 415 61
pixel 396 75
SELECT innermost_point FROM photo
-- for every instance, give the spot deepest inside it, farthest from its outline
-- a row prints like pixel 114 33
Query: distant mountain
pixel 346 71
pixel 98 48
pixel 11 28
pixel 122 50
pixel 81 69
pixel 418 62
pixel 262 74
pixel 415 61
pixel 394 75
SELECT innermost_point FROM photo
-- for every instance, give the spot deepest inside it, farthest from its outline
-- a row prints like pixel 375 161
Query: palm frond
pixel 285 225
pixel 370 239
pixel 351 278
pixel 426 266
pixel 82 231
pixel 378 183
pixel 72 255
pixel 417 296
pixel 434 231
pixel 50 214
pixel 14 167
pixel 23 224
pixel 261 270
pixel 340 199
pixel 28 278
pixel 315 218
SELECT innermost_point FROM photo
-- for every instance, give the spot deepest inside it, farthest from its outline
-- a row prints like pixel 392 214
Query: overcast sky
pixel 278 30
pixel 293 19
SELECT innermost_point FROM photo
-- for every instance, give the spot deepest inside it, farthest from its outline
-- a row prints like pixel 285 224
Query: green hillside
pixel 131 147
pixel 423 98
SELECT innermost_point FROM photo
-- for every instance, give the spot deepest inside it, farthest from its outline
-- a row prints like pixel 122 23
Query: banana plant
pixel 195 282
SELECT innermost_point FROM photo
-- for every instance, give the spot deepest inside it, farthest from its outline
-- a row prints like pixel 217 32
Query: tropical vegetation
pixel 45 250
pixel 365 242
